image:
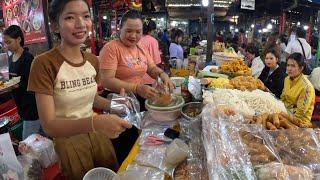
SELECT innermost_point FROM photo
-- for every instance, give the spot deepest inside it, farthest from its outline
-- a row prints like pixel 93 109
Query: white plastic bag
pixel 42 147
pixel 10 168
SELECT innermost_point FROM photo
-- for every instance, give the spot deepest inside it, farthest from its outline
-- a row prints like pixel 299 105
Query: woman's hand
pixel 147 92
pixel 167 81
pixel 110 125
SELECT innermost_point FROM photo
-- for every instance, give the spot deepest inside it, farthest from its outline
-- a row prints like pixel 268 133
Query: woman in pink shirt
pixel 123 64
pixel 151 45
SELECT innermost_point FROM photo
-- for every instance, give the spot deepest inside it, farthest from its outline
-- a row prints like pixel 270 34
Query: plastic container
pixel 100 173
pixel 164 116
pixel 130 175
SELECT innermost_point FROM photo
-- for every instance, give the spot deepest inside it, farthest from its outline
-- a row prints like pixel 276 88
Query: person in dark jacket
pixel 19 65
pixel 272 76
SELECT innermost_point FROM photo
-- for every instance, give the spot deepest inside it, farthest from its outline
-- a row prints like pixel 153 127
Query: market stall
pixel 242 131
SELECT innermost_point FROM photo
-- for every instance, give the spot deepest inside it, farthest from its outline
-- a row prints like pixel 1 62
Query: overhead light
pixel 205 3
pixel 173 23
pixel 305 27
pixel 264 30
pixel 269 26
pixel 298 24
pixel 104 17
pixel 236 30
pixel 231 27
pixel 260 31
pixel 252 25
pixel 162 19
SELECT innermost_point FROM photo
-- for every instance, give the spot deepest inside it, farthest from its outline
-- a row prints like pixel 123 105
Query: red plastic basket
pixel 316 111
pixel 10 110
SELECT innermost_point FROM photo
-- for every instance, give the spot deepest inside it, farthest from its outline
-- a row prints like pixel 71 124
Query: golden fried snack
pixel 270 126
pixel 287 124
pixel 275 120
pixel 246 83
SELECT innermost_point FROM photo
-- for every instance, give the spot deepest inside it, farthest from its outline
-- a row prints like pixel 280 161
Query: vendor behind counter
pixel 298 94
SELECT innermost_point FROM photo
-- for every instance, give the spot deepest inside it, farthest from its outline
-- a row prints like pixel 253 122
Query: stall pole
pixel 210 22
pixel 93 45
pixel 318 50
pixel 282 23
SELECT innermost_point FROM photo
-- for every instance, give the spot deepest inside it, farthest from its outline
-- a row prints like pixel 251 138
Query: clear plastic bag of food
pixel 259 145
pixel 151 152
pixel 227 156
pixel 10 168
pixel 298 147
pixel 223 112
pixel 152 156
pixel 194 168
pixel 127 107
pixel 40 146
pixel 31 166
pixel 280 171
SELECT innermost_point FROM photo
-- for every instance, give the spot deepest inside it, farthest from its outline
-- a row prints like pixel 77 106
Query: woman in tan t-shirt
pixel 64 80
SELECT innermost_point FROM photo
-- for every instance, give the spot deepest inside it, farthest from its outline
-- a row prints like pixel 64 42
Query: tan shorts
pixel 78 154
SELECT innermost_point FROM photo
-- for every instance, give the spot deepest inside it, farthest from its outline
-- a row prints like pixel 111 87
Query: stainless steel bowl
pixel 192 110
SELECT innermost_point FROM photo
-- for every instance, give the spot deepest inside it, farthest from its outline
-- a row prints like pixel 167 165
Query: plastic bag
pixel 31 166
pixel 153 156
pixel 148 172
pixel 194 168
pixel 281 171
pixel 298 147
pixel 194 87
pixel 126 107
pixel 155 132
pixel 40 146
pixel 259 145
pixel 227 156
pixel 10 168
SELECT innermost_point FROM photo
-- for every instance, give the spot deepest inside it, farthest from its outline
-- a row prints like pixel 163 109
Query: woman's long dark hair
pixel 299 58
pixel 15 32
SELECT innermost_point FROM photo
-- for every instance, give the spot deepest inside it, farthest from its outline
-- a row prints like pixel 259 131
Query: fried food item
pixel 236 67
pixel 218 83
pixel 287 124
pixel 163 100
pixel 270 126
pixel 246 83
pixel 275 120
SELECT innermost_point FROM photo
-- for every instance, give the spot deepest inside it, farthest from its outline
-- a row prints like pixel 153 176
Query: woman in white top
pixel 175 49
pixel 255 61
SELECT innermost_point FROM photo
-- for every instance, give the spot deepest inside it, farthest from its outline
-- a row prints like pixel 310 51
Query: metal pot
pixel 192 107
